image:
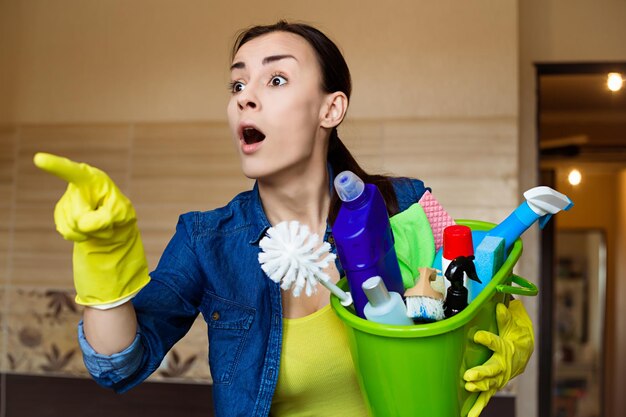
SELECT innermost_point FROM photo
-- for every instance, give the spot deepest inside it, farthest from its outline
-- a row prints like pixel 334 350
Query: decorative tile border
pixel 41 339
pixel 41 332
pixel 3 333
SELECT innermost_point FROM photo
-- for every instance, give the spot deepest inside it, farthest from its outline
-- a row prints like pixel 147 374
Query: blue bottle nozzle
pixel 349 187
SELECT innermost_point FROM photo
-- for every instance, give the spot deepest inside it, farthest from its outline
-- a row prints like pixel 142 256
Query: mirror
pixel 578 327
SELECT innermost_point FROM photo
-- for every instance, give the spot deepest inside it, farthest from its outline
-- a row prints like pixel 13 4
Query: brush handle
pixel 344 297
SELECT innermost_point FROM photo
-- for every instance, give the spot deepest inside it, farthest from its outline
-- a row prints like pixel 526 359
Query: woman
pixel 268 351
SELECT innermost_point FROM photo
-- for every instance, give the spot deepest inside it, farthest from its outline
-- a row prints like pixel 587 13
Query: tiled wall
pixel 167 169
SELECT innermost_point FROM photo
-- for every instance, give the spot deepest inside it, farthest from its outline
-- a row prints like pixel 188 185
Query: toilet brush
pixel 291 255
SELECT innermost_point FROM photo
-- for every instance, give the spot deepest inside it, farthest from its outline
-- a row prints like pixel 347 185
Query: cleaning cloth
pixel 414 242
pixel 437 216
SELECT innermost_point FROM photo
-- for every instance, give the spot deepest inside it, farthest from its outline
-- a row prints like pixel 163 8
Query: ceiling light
pixel 614 81
pixel 574 177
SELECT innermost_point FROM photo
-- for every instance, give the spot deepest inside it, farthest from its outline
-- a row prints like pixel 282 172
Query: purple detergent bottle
pixel 364 238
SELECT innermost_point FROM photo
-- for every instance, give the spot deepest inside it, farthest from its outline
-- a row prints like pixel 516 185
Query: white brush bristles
pixel 424 309
pixel 290 253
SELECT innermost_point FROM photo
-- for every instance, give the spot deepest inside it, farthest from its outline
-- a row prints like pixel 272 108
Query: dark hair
pixel 335 77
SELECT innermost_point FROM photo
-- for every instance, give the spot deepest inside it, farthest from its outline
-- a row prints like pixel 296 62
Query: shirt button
pixel 215 316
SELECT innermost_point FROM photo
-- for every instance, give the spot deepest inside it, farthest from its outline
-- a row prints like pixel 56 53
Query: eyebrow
pixel 266 60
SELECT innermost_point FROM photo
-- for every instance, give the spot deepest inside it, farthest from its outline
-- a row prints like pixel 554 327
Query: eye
pixel 236 87
pixel 278 80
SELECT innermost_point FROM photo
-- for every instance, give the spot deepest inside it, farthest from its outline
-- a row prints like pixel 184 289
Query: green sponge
pixel 414 242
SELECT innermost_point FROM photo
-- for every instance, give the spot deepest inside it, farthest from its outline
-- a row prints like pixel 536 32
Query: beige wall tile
pixel 431 59
pixel 43 270
pixel 364 139
pixel 470 164
pixel 154 242
pixel 99 142
pixel 485 214
pixel 8 146
pixel 103 146
pixel 195 166
pixel 467 193
pixel 41 256
pixel 36 217
pixel 192 193
pixel 178 168
pixel 162 217
pixel 196 135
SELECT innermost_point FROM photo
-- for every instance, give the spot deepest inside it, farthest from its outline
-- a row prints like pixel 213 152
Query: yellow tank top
pixel 316 376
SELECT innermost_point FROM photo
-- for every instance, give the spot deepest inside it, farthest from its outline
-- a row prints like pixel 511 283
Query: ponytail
pixel 340 159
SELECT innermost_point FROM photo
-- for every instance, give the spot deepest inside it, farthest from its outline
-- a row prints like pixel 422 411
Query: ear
pixel 333 110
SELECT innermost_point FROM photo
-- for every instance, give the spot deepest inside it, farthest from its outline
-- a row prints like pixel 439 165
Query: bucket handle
pixel 526 288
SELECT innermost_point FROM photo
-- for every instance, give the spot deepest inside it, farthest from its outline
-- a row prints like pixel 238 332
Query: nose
pixel 247 99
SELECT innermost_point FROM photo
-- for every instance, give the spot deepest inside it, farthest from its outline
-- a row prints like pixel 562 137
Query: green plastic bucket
pixel 417 371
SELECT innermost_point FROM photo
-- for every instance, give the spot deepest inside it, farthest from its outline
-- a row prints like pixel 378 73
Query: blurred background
pixel 481 99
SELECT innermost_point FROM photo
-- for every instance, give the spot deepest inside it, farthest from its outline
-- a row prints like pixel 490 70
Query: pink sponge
pixel 437 216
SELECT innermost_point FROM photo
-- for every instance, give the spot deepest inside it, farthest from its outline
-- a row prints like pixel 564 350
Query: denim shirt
pixel 211 267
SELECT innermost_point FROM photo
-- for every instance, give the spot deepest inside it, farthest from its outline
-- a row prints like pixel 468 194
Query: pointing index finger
pixel 61 167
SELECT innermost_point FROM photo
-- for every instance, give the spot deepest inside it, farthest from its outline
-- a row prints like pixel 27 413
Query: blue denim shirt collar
pixel 262 222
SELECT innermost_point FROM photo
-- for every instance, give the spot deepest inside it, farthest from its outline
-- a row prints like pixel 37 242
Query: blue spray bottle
pixel 364 238
pixel 541 204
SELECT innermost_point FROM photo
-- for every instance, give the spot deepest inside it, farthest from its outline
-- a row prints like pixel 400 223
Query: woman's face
pixel 276 106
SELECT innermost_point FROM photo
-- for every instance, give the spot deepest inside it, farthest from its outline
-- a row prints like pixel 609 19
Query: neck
pixel 303 196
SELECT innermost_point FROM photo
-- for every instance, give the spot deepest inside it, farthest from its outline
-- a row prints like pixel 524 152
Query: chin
pixel 254 172
pixel 263 171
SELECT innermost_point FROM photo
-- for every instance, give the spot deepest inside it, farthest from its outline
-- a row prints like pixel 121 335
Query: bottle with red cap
pixel 457 241
pixel 458 265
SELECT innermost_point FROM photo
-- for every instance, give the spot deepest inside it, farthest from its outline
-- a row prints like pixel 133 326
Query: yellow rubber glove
pixel 109 262
pixel 511 351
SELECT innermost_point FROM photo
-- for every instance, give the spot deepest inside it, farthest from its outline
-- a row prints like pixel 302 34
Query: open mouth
pixel 251 135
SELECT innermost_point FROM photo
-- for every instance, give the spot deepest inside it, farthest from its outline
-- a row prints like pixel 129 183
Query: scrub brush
pixel 290 253
pixel 423 303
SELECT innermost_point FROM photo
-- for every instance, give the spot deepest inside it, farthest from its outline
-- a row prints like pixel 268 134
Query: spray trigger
pixel 458 266
pixel 543 220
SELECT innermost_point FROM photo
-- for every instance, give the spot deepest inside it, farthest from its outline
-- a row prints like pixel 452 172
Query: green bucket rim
pixel 443 326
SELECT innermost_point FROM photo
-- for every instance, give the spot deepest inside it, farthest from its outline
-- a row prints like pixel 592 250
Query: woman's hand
pixel 109 261
pixel 512 349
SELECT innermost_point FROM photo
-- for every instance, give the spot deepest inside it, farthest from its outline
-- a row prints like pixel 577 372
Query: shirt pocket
pixel 228 327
